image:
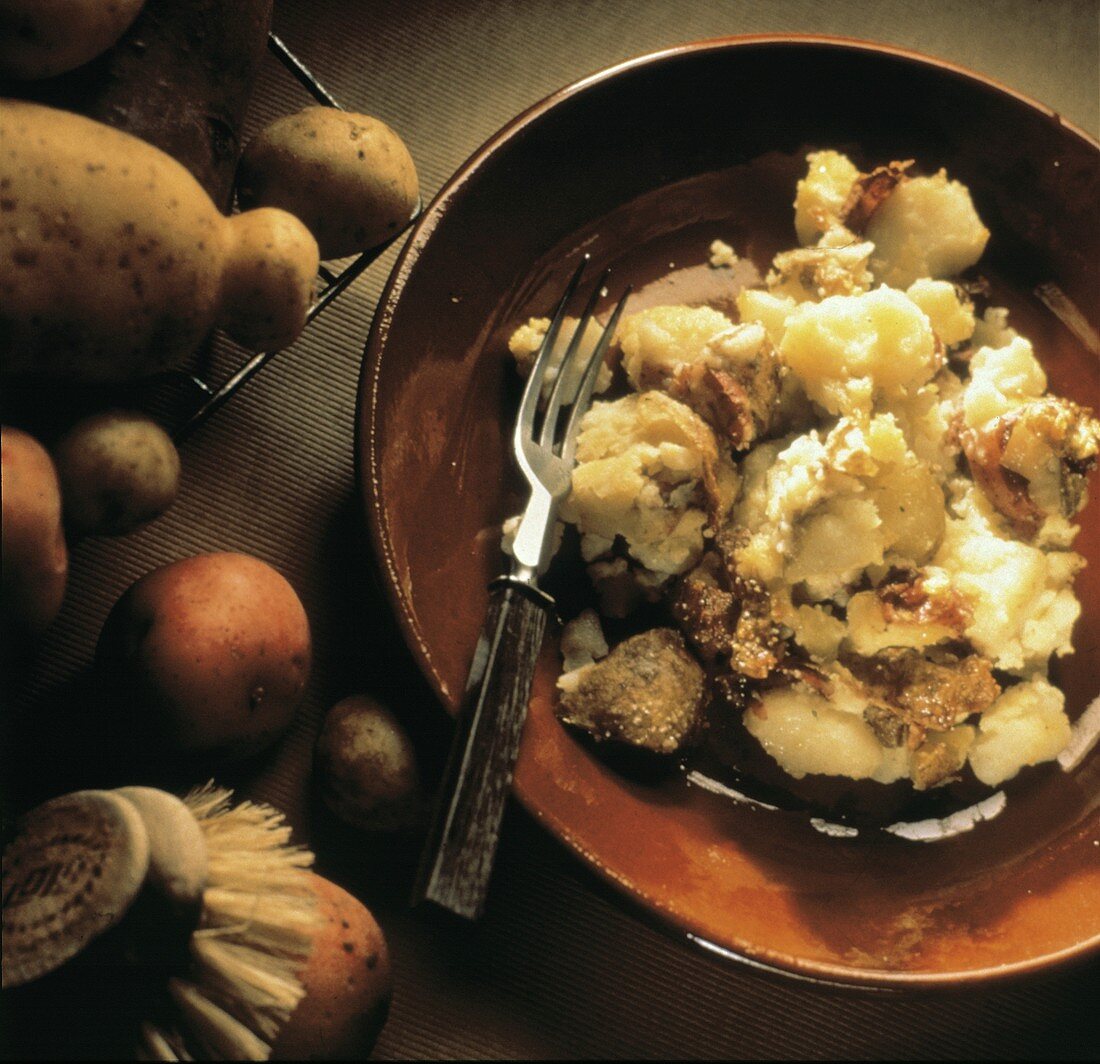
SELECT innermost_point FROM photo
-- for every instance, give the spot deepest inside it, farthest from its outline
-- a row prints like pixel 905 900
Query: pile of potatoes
pixel 118 260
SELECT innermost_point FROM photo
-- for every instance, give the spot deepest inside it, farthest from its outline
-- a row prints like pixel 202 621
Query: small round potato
pixel 41 38
pixel 118 469
pixel 269 279
pixel 348 983
pixel 35 558
pixel 206 656
pixel 349 177
pixel 366 767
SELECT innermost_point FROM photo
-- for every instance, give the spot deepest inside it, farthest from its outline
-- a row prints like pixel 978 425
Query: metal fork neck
pixel 525 580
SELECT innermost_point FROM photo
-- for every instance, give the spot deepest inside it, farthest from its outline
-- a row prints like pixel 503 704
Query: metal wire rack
pixel 207 399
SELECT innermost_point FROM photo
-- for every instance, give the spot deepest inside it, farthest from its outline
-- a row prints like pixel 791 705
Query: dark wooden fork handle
pixel 458 856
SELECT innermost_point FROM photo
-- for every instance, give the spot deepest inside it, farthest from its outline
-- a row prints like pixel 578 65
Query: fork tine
pixel 588 382
pixel 528 406
pixel 557 395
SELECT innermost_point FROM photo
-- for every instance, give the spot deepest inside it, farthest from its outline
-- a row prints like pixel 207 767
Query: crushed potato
pixel 527 339
pixel 857 500
pixel 648 469
pixel 927 228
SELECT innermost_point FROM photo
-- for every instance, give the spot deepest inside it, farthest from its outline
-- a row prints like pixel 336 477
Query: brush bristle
pixel 254 936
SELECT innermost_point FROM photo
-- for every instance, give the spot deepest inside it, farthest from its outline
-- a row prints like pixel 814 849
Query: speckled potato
pixel 41 38
pixel 208 655
pixel 366 766
pixel 35 558
pixel 118 470
pixel 347 980
pixel 117 263
pixel 348 176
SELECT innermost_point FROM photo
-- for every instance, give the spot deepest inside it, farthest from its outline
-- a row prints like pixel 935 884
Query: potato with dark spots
pixel 115 263
pixel 180 78
pixel 206 656
pixel 119 470
pixel 35 558
pixel 348 983
pixel 366 767
pixel 648 692
pixel 348 176
pixel 43 38
pixel 267 282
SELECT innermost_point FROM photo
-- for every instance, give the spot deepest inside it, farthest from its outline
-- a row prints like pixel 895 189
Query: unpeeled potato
pixel 348 176
pixel 207 655
pixel 347 980
pixel 117 264
pixel 35 558
pixel 366 766
pixel 118 470
pixel 41 38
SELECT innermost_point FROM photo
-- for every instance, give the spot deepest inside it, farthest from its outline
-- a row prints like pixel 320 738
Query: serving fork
pixel 458 856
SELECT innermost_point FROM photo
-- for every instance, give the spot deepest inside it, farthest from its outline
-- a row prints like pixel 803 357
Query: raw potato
pixel 180 78
pixel 347 980
pixel 41 38
pixel 207 655
pixel 367 766
pixel 120 264
pixel 118 470
pixel 35 558
pixel 348 176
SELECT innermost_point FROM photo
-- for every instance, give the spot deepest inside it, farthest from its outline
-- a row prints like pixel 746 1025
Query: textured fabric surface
pixel 560 967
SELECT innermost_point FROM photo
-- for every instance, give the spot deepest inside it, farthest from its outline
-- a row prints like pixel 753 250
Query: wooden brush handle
pixel 458 857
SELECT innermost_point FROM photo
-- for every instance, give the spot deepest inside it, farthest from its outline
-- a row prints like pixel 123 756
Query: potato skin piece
pixel 648 692
pixel 35 557
pixel 348 176
pixel 207 655
pixel 348 983
pixel 180 78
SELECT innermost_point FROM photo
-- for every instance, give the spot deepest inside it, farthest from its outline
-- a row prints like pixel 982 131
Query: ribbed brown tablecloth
pixel 560 967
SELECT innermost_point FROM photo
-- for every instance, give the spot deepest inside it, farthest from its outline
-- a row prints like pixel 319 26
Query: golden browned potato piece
pixel 35 558
pixel 366 766
pixel 118 470
pixel 206 655
pixel 347 980
pixel 648 692
pixel 41 38
pixel 348 176
pixel 117 263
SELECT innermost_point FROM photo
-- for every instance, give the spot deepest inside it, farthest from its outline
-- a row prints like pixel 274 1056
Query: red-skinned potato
pixel 35 558
pixel 347 980
pixel 206 656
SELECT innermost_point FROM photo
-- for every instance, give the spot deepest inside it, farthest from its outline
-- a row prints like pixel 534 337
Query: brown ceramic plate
pixel 641 166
